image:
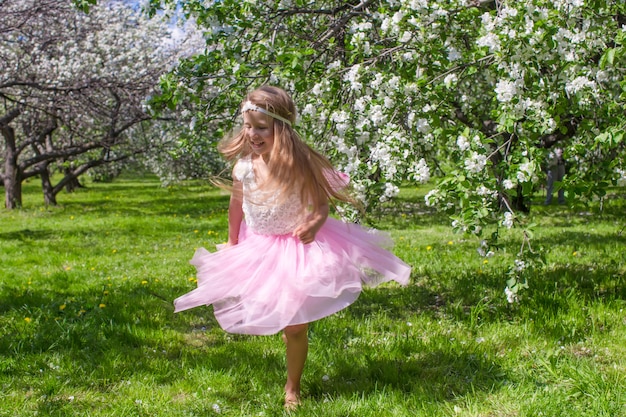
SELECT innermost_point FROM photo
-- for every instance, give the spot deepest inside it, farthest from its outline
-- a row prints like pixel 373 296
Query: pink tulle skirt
pixel 266 282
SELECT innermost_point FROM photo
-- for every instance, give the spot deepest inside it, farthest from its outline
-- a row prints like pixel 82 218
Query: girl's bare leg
pixel 297 342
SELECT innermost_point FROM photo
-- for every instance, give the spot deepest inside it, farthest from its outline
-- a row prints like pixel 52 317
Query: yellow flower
pixel 485 261
pixel 450 242
pixel 106 292
pixel 71 217
pixel 195 231
pixel 102 305
pixel 114 250
pixel 67 267
pixel 191 279
pixel 62 307
pixel 27 319
pixel 575 253
pixel 144 282
pixel 429 247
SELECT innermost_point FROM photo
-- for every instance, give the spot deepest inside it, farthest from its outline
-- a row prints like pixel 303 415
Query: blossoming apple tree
pixel 73 88
pixel 473 92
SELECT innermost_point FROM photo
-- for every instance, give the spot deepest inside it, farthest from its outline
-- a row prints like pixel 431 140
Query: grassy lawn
pixel 87 325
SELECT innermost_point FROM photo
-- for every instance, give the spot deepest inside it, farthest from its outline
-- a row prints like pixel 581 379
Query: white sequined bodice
pixel 263 211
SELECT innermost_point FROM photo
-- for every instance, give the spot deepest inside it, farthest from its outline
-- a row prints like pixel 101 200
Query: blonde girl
pixel 286 262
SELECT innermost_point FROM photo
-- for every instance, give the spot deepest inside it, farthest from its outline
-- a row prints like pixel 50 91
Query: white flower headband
pixel 248 106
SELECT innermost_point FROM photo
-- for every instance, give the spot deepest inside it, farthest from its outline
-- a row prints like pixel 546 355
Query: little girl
pixel 286 263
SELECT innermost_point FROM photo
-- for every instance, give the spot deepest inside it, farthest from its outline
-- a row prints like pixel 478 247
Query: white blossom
pixel 491 41
pixel 454 54
pixel 526 172
pixel 508 184
pixel 508 220
pixel 391 190
pixel 511 297
pixel 505 90
pixel 450 80
pixel 476 162
pixel 420 171
pixel 578 83
pixel 462 143
pixel 422 126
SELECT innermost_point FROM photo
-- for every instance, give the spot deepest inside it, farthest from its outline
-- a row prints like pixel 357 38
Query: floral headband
pixel 248 106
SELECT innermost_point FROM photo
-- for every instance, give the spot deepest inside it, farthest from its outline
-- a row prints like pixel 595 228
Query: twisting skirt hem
pixel 266 282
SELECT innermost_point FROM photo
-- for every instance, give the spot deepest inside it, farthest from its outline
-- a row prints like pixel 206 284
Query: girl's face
pixel 259 130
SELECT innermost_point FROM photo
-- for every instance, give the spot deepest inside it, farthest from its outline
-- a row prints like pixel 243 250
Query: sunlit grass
pixel 87 325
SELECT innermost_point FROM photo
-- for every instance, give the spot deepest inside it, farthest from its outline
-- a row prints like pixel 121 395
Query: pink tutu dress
pixel 271 280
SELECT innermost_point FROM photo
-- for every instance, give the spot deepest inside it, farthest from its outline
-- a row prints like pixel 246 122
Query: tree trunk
pixel 12 174
pixel 73 183
pixel 49 197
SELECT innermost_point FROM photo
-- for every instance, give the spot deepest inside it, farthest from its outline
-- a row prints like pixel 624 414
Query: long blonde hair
pixel 294 167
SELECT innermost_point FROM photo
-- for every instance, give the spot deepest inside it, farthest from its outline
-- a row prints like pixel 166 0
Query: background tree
pixel 73 88
pixel 474 92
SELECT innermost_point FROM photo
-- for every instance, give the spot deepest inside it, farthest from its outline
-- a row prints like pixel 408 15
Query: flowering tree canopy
pixel 474 92
pixel 73 88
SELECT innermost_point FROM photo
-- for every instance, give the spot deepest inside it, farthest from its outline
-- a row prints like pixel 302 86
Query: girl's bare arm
pixel 235 213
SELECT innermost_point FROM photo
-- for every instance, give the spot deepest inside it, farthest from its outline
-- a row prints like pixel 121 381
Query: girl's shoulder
pixel 242 168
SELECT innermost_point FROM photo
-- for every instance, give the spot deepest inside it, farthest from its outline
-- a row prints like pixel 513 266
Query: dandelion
pixel 450 242
pixel 62 307
pixel 575 253
pixel 71 217
pixel 114 251
pixel 27 319
pixel 429 247
pixel 144 282
pixel 485 261
pixel 195 231
pixel 102 305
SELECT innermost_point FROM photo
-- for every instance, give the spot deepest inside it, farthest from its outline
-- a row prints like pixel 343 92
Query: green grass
pixel 87 325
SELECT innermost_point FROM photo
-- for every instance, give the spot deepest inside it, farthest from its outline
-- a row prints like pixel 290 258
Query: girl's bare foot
pixel 292 400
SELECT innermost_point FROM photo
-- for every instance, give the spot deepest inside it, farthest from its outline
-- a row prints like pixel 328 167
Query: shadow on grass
pixel 195 206
pixel 430 375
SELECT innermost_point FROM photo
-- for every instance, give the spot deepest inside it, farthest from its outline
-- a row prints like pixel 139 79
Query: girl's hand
pixel 306 231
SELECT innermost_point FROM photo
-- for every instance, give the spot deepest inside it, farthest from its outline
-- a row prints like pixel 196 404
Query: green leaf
pixel 608 58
